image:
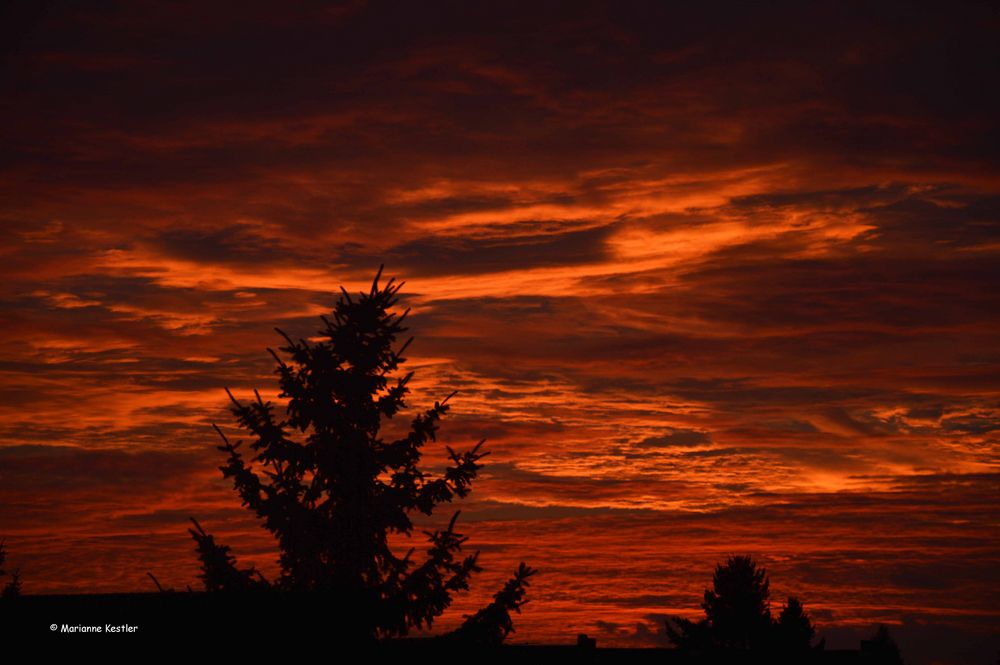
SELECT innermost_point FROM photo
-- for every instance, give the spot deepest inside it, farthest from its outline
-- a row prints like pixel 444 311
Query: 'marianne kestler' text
pixel 106 628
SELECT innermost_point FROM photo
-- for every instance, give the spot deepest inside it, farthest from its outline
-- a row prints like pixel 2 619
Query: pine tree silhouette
pixel 491 625
pixel 794 629
pixel 738 606
pixel 218 566
pixel 332 491
pixel 738 616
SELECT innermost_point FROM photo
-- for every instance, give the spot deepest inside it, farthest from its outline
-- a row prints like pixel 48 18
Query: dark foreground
pixel 86 619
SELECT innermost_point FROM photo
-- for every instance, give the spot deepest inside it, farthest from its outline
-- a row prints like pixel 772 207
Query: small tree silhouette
pixel 13 588
pixel 331 490
pixel 739 606
pixel 881 649
pixel 794 629
pixel 738 615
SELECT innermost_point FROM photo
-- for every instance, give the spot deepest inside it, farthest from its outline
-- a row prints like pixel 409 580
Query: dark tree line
pixel 738 618
pixel 738 615
pixel 332 490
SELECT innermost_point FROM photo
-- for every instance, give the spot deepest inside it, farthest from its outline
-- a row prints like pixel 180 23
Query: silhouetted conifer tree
pixel 794 629
pixel 218 566
pixel 738 615
pixel 881 649
pixel 738 606
pixel 332 490
pixel 491 625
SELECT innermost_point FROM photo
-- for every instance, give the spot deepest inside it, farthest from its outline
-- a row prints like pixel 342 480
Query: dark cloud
pixel 791 425
pixel 432 256
pixel 641 634
pixel 55 469
pixel 972 424
pixel 682 438
pixel 868 424
pixel 957 221
pixel 238 243
pixel 499 511
pixel 931 412
pixel 565 487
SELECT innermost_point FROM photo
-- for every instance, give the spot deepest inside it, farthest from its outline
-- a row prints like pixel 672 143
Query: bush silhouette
pixel 332 491
pixel 881 649
pixel 13 588
pixel 738 615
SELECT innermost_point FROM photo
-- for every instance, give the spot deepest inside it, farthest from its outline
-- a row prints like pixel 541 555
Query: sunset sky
pixel 709 280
